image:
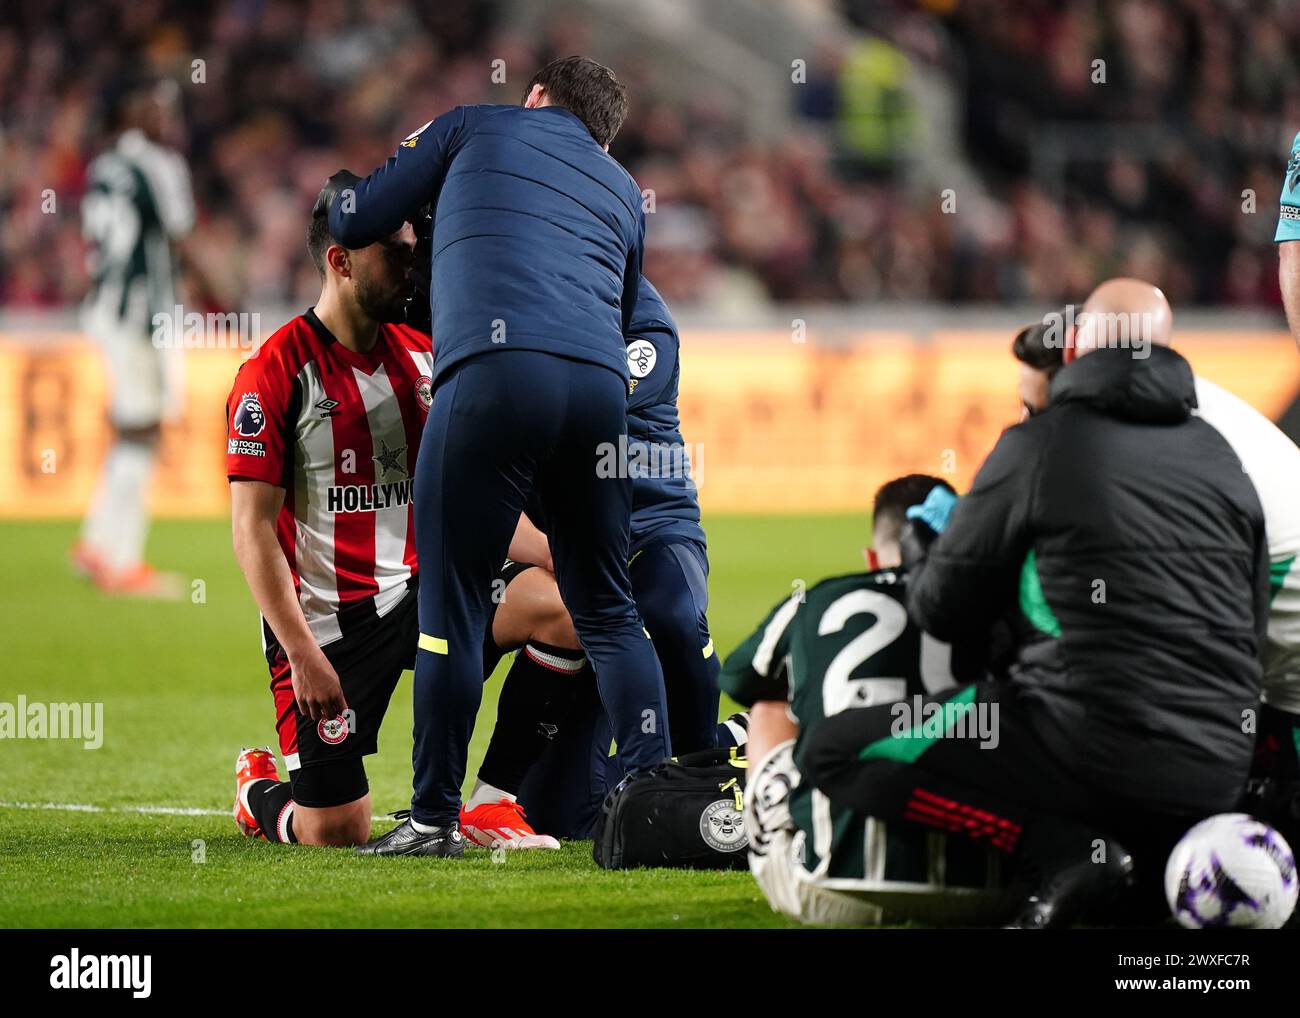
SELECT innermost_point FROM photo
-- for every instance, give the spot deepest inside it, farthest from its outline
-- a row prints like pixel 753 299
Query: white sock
pixel 424 828
pixel 738 731
pixel 124 514
pixel 484 794
pixel 97 528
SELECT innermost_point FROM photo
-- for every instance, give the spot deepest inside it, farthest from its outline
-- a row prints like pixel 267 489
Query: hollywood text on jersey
pixel 368 498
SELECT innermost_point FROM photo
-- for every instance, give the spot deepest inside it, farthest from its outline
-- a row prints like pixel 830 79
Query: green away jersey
pixel 138 202
pixel 846 643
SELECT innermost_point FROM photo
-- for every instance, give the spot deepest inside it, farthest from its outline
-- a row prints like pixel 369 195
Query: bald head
pixel 1126 313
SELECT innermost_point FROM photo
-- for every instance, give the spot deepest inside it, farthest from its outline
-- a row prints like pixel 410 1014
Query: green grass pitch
pixel 184 687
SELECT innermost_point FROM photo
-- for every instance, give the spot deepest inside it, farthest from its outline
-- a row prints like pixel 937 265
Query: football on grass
pixel 1231 870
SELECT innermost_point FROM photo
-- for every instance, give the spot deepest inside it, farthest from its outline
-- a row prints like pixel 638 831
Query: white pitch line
pixel 85 807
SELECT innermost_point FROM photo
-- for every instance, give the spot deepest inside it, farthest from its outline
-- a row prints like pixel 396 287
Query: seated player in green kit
pixel 844 644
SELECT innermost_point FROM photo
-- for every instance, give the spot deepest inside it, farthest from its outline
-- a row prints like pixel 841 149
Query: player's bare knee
pixel 356 831
pixel 334 826
pixel 534 611
pixel 556 628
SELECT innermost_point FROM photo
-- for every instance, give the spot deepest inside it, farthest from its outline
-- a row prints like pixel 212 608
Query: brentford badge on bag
pixel 722 826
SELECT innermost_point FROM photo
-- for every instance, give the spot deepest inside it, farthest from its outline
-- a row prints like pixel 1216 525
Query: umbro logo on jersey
pixel 326 407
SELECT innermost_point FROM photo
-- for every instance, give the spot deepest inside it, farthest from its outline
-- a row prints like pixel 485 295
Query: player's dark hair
pixel 588 90
pixel 1041 345
pixel 889 509
pixel 122 96
pixel 319 240
pixel 319 237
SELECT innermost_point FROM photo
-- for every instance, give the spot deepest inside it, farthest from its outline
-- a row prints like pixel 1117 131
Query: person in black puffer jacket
pixel 1120 532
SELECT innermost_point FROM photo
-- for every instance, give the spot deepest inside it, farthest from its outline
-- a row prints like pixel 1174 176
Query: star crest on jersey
pixel 390 459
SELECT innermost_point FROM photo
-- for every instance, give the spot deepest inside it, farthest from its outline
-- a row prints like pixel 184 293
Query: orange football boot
pixel 501 824
pixel 251 765
pixel 85 561
pixel 140 581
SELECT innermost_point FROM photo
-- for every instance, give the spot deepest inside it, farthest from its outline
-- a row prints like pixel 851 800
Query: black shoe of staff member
pixel 443 842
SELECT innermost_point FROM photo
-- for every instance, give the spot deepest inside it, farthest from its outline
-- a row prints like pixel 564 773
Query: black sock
pixel 535 697
pixel 271 803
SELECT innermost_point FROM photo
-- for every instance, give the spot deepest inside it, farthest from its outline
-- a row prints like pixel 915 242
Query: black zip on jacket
pixel 1131 541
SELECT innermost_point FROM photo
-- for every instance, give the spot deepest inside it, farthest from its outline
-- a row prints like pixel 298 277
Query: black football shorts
pixel 324 757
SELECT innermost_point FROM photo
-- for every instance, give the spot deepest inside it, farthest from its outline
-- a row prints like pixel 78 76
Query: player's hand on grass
pixel 316 685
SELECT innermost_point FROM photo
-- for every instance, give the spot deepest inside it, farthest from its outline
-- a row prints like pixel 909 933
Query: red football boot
pixel 501 824
pixel 251 765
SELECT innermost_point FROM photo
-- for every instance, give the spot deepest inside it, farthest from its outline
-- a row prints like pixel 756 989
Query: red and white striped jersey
pixel 339 431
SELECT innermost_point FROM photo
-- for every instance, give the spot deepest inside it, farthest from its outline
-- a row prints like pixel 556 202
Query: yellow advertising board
pixel 772 425
pixel 803 428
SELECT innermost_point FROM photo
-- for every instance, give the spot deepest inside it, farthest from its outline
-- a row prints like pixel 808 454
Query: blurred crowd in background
pixel 1196 111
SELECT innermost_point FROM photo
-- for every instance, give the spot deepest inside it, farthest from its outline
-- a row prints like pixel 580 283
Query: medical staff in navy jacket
pixel 564 787
pixel 537 244
pixel 669 565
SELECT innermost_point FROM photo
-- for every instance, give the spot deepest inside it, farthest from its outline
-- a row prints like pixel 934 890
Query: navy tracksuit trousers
pixel 503 426
pixel 565 787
